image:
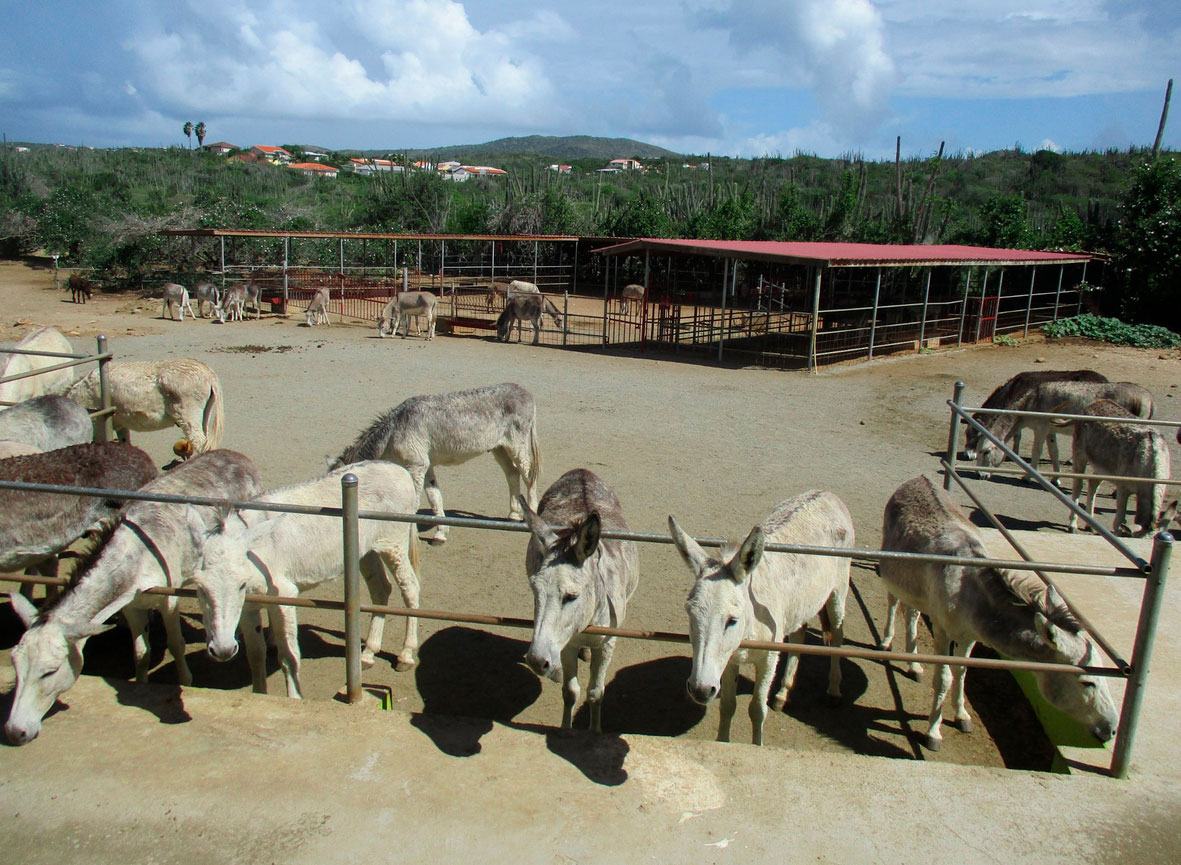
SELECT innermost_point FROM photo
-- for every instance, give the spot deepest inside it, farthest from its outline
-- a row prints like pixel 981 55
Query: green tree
pixel 793 220
pixel 1005 221
pixel 199 129
pixel 640 216
pixel 1147 255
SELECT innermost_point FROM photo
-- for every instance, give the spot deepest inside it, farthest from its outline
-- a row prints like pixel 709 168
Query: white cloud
pixel 1049 144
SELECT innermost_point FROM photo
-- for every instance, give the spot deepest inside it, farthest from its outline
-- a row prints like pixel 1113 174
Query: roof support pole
pixel 815 318
pixel 873 322
pixel 727 265
pixel 1000 290
pixel 1078 309
pixel 980 308
pixel 959 340
pixel 223 261
pixel 606 287
pixel 492 245
pixel 1029 302
pixel 923 319
pixel 574 269
pixel 535 262
pixel 1058 293
pixel 286 257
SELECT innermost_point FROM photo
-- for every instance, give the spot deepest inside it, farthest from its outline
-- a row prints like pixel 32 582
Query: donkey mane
pixel 1027 590
pixel 371 443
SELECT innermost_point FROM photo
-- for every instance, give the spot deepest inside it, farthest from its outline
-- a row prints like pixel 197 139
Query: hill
pixel 567 147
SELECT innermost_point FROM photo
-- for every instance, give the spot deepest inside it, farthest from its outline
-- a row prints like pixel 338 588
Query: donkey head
pixel 48 661
pixel 1084 698
pixel 563 583
pixel 719 606
pixel 221 581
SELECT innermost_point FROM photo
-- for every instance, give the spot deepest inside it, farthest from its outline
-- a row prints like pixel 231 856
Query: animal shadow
pixel 1014 523
pixel 599 757
pixel 164 701
pixel 475 677
pixel 649 699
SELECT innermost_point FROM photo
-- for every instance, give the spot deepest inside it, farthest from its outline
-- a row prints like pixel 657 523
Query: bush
pixel 1113 330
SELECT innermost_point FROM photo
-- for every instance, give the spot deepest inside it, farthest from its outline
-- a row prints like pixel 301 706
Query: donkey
pixel 34 527
pixel 1128 450
pixel 287 553
pixel 508 288
pixel 155 544
pixel 81 288
pixel 1014 613
pixel 629 295
pixel 206 293
pixel 232 305
pixel 408 304
pixel 317 311
pixel 452 428
pixel 154 395
pixel 1068 397
pixel 1009 392
pixel 56 382
pixel 176 297
pixel 578 580
pixel 46 423
pixel 752 595
pixel 526 307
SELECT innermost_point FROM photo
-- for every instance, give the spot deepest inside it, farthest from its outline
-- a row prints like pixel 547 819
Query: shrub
pixel 1113 330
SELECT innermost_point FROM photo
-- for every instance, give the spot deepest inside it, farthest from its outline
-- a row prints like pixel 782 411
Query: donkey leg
pixel 791 667
pixel 912 642
pixel 513 474
pixel 286 628
pixel 397 560
pixel 728 701
pixel 1092 490
pixel 137 621
pixel 1078 463
pixel 962 719
pixel 570 689
pixel 378 583
pixel 1119 524
pixel 941 681
pixel 176 642
pixel 887 639
pixel 434 495
pixel 256 647
pixel 600 661
pixel 836 619
pixel 765 663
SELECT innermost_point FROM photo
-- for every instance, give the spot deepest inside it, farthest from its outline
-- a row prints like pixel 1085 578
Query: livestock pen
pixel 1134 670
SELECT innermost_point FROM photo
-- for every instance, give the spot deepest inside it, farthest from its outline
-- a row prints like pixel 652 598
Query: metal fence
pixel 102 357
pixel 351 606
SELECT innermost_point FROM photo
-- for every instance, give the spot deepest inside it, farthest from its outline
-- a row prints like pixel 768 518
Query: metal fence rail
pixel 1155 571
pixel 349 514
pixel 102 357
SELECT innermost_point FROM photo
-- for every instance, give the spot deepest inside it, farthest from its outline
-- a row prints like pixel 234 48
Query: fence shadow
pixel 475 675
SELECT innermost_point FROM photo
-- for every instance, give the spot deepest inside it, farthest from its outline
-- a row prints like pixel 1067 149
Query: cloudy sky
pixel 723 76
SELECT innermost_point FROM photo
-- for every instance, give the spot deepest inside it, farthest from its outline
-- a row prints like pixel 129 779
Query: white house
pixel 220 148
pixel 315 155
pixel 561 169
pixel 368 167
pixel 271 153
pixel 626 164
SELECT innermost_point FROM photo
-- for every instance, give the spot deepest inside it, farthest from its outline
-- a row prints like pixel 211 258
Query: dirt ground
pixel 716 446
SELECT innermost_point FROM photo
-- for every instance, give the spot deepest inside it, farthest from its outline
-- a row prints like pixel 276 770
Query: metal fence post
pixel 103 432
pixel 1029 304
pixel 959 340
pixel 722 321
pixel 953 432
pixel 926 299
pixel 980 308
pixel 815 321
pixel 873 322
pixel 352 588
pixel 1058 293
pixel 565 315
pixel 286 256
pixel 1150 604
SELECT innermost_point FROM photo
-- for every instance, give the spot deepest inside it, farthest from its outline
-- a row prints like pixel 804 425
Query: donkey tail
pixel 534 456
pixel 212 420
pixel 413 548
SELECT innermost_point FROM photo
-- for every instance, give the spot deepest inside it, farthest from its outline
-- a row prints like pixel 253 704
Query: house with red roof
pixel 313 169
pixel 271 153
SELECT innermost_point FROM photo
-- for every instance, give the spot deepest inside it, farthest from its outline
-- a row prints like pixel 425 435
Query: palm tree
pixel 200 130
pixel 188 130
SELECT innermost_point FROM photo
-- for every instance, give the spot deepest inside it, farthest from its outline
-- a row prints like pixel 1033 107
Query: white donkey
pixel 232 304
pixel 629 295
pixel 1013 612
pixel 452 428
pixel 285 554
pixel 155 544
pixel 1065 397
pixel 317 311
pixel 1125 450
pixel 57 382
pixel 407 305
pixel 176 297
pixel 752 595
pixel 154 395
pixel 577 580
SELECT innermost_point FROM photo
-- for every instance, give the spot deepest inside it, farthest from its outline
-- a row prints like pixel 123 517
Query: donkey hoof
pixel 404 664
pixel 367 660
pixel 884 646
pixel 834 700
pixel 915 673
pixel 965 725
pixel 932 743
pixel 436 540
pixel 778 704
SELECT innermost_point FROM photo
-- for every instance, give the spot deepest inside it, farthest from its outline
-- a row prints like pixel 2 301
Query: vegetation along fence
pixel 1135 672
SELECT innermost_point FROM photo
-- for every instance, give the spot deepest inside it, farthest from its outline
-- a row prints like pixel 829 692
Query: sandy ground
pixel 716 446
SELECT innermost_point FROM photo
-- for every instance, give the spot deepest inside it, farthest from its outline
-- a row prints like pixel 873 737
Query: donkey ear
pixel 23 608
pixel 539 527
pixel 89 631
pixel 748 556
pixel 588 537
pixel 695 557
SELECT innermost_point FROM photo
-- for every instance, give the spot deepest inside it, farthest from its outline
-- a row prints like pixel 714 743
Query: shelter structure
pixel 806 304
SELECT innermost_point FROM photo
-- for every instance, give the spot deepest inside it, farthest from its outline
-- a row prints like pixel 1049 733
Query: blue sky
pixel 736 78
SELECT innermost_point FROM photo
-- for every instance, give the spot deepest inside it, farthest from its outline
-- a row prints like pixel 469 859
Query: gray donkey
pixel 176 297
pixel 1125 449
pixel 452 428
pixel 1013 612
pixel 525 307
pixel 155 544
pixel 46 423
pixel 1064 397
pixel 206 293
pixel 578 580
pixel 1018 386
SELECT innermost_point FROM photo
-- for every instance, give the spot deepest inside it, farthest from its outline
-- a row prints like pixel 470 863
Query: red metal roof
pixel 845 254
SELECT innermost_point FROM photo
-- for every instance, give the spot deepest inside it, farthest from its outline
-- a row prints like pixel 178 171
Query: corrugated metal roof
pixel 359 235
pixel 845 254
